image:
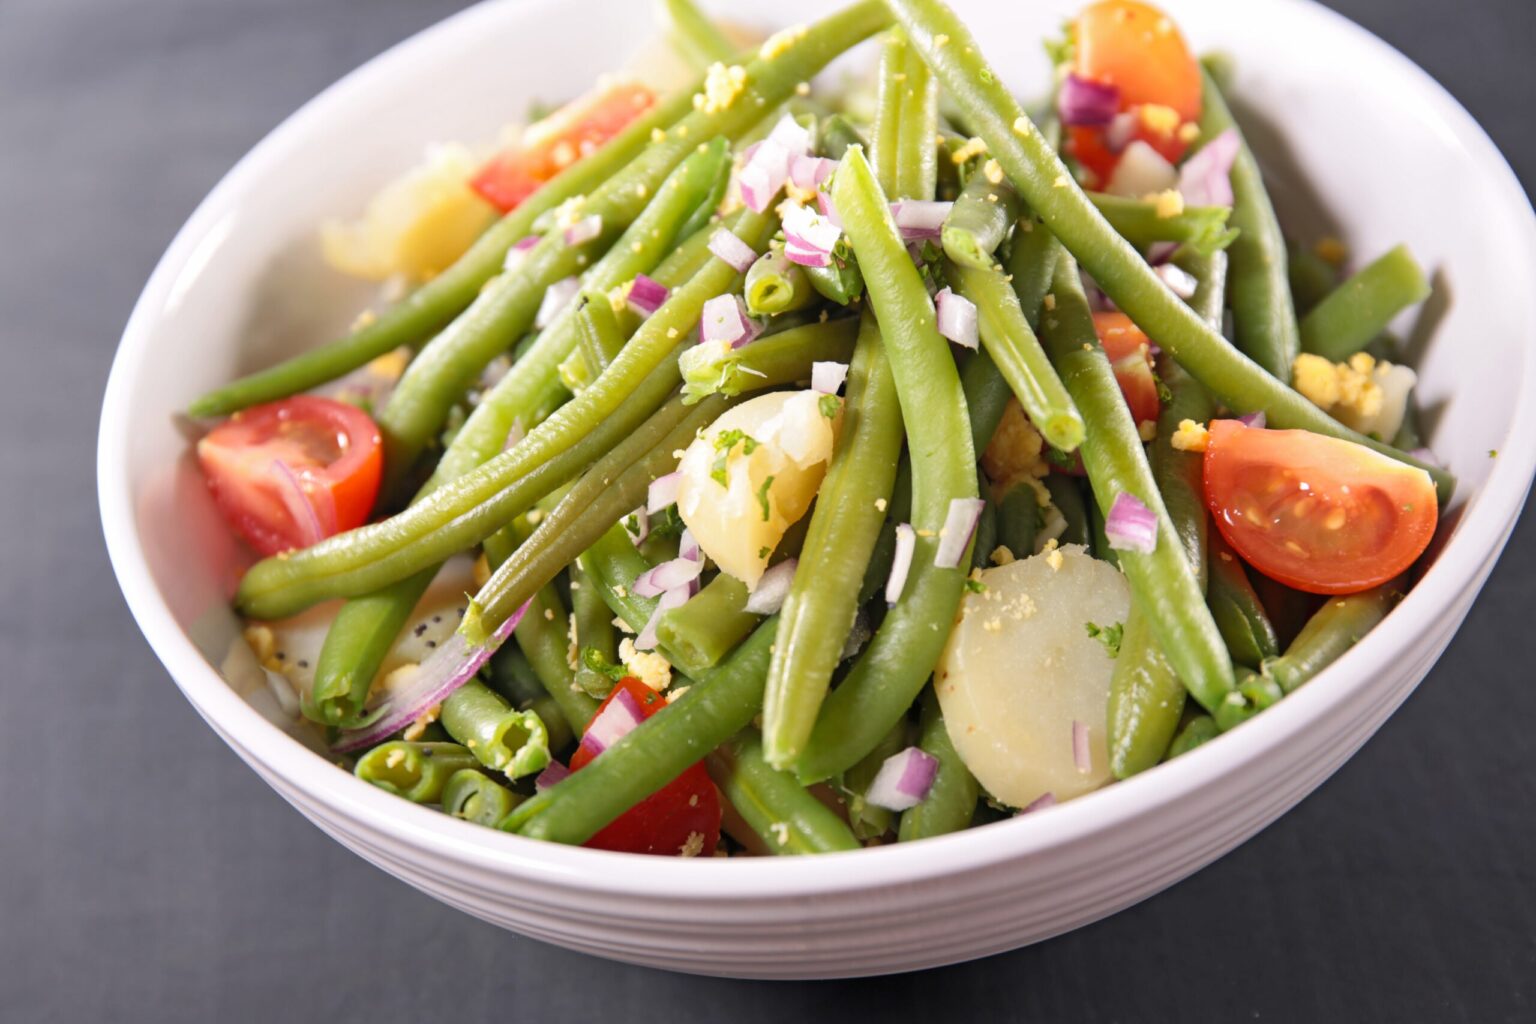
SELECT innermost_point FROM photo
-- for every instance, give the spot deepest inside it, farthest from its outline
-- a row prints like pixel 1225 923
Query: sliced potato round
pixel 1020 668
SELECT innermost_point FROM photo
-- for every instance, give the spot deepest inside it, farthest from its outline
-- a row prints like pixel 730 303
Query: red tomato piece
pixel 1316 513
pixel 667 821
pixel 553 144
pixel 290 473
pixel 1139 50
pixel 1088 147
pixel 1130 356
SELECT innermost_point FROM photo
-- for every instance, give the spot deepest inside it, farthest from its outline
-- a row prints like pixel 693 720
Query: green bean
pixel 1145 700
pixel 600 333
pixel 1407 437
pixel 871 821
pixel 1312 279
pixel 986 536
pixel 837 134
pixel 1258 286
pixel 1068 499
pixel 1031 265
pixel 1045 184
pixel 1356 312
pixel 439 374
pixel 775 285
pixel 710 625
pixel 1330 632
pixel 917 159
pixel 888 676
pixel 839 281
pixel 603 496
pixel 1018 520
pixel 463 512
pixel 1012 344
pixel 1162 581
pixel 782 358
pixel 475 796
pixel 885 131
pixel 719 704
pixel 979 221
pixel 1239 614
pixel 788 819
pixel 951 801
pixel 1198 730
pixel 1254 693
pixel 416 771
pixel 696 36
pixel 437 302
pixel 592 623
pixel 1141 222
pixel 819 610
pixel 513 677
pixel 1100 540
pixel 542 637
pixel 512 742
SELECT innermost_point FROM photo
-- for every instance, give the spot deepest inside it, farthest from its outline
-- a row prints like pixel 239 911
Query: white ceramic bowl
pixel 1387 154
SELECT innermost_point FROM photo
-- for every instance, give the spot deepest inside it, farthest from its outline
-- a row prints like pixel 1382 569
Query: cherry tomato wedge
pixel 1130 356
pixel 291 473
pixel 682 815
pixel 1139 50
pixel 553 144
pixel 1316 513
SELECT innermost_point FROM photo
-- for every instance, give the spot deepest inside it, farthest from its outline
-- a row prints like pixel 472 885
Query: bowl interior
pixel 1379 158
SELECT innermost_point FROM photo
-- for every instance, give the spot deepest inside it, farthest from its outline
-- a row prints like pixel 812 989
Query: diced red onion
pixel 808 172
pixel 829 211
pixel 515 434
pixel 772 588
pixel 1425 456
pixel 618 719
pixel 1142 170
pixel 959 526
pixel 687 547
pixel 1122 129
pixel 642 528
pixel 920 220
pixel 556 297
pixel 827 378
pixel 764 174
pixel 453 664
pixel 663 491
pixel 956 318
pixel 809 237
pixel 791 135
pixel 724 244
pixel 1040 803
pixel 1082 101
pixel 1253 419
pixel 555 772
pixel 1206 178
pixel 901 562
pixel 300 509
pixel 903 780
pixel 1081 757
pixel 669 575
pixel 646 641
pixel 1179 281
pixel 1131 526
pixel 725 319
pixel 807 257
pixel 519 251
pixel 584 230
pixel 647 294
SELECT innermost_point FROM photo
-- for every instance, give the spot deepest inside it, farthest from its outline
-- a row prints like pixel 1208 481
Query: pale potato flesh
pixel 1020 668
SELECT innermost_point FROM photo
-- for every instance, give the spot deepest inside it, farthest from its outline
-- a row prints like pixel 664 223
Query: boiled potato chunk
pixel 753 473
pixel 1020 668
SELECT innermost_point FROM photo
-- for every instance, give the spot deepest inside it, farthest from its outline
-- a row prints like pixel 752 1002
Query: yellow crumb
pixel 649 667
pixel 1147 429
pixel 881 504
pixel 994 172
pixel 1002 555
pixel 1189 131
pixel 1190 437
pixel 1332 250
pixel 941 40
pixel 781 41
pixel 1050 301
pixel 1163 120
pixel 972 148
pixel 1169 203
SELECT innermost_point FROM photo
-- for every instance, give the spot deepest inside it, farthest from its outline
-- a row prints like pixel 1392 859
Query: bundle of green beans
pixel 814 693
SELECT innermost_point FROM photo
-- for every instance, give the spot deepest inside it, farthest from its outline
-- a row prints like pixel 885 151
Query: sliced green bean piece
pixel 951 801
pixel 980 220
pixel 1142 222
pixel 594 628
pixel 474 796
pixel 1355 313
pixel 1239 613
pixel 416 771
pixel 515 743
pixel 837 134
pixel 1312 279
pixel 1198 730
pixel 775 285
pixel 1145 700
pixel 710 625
pixel 788 819
pixel 1019 520
pixel 1334 629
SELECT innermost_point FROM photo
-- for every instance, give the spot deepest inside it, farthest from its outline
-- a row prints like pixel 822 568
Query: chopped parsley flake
pixel 595 660
pixel 1109 636
pixel 976 586
pixel 762 497
pixel 1059 458
pixel 829 406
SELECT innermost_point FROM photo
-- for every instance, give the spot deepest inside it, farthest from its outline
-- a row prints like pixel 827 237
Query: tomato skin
pixel 1137 48
pixel 663 822
pixel 1130 355
pixel 559 140
pixel 1316 513
pixel 290 473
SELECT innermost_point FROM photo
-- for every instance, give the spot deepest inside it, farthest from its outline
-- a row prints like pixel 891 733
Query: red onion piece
pixel 1253 419
pixel 1179 281
pixel 1083 101
pixel 808 172
pixel 956 318
pixel 618 719
pixel 687 547
pixel 901 562
pixel 959 526
pixel 1040 803
pixel 764 174
pixel 807 257
pixel 828 378
pixel 646 641
pixel 1122 129
pixel 646 295
pixel 829 211
pixel 663 491
pixel 809 236
pixel 772 588
pixel 920 220
pixel 1081 757
pixel 904 780
pixel 519 251
pixel 725 319
pixel 297 502
pixel 669 575
pixel 1206 178
pixel 791 135
pixel 584 230
pixel 732 250
pixel 556 297
pixel 642 528
pixel 1425 456
pixel 1131 526
pixel 453 664
pixel 554 773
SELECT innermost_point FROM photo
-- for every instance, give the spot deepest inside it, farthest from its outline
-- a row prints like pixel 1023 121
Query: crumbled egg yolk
pixel 1163 120
pixel 1190 437
pixel 781 40
pixel 1348 390
pixel 972 148
pixel 1168 203
pixel 649 667
pixel 1016 452
pixel 722 85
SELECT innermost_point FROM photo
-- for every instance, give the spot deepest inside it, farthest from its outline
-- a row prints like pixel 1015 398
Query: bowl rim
pixel 1462 565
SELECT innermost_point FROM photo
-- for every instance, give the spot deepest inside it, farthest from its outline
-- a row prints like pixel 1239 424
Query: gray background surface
pixel 147 875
